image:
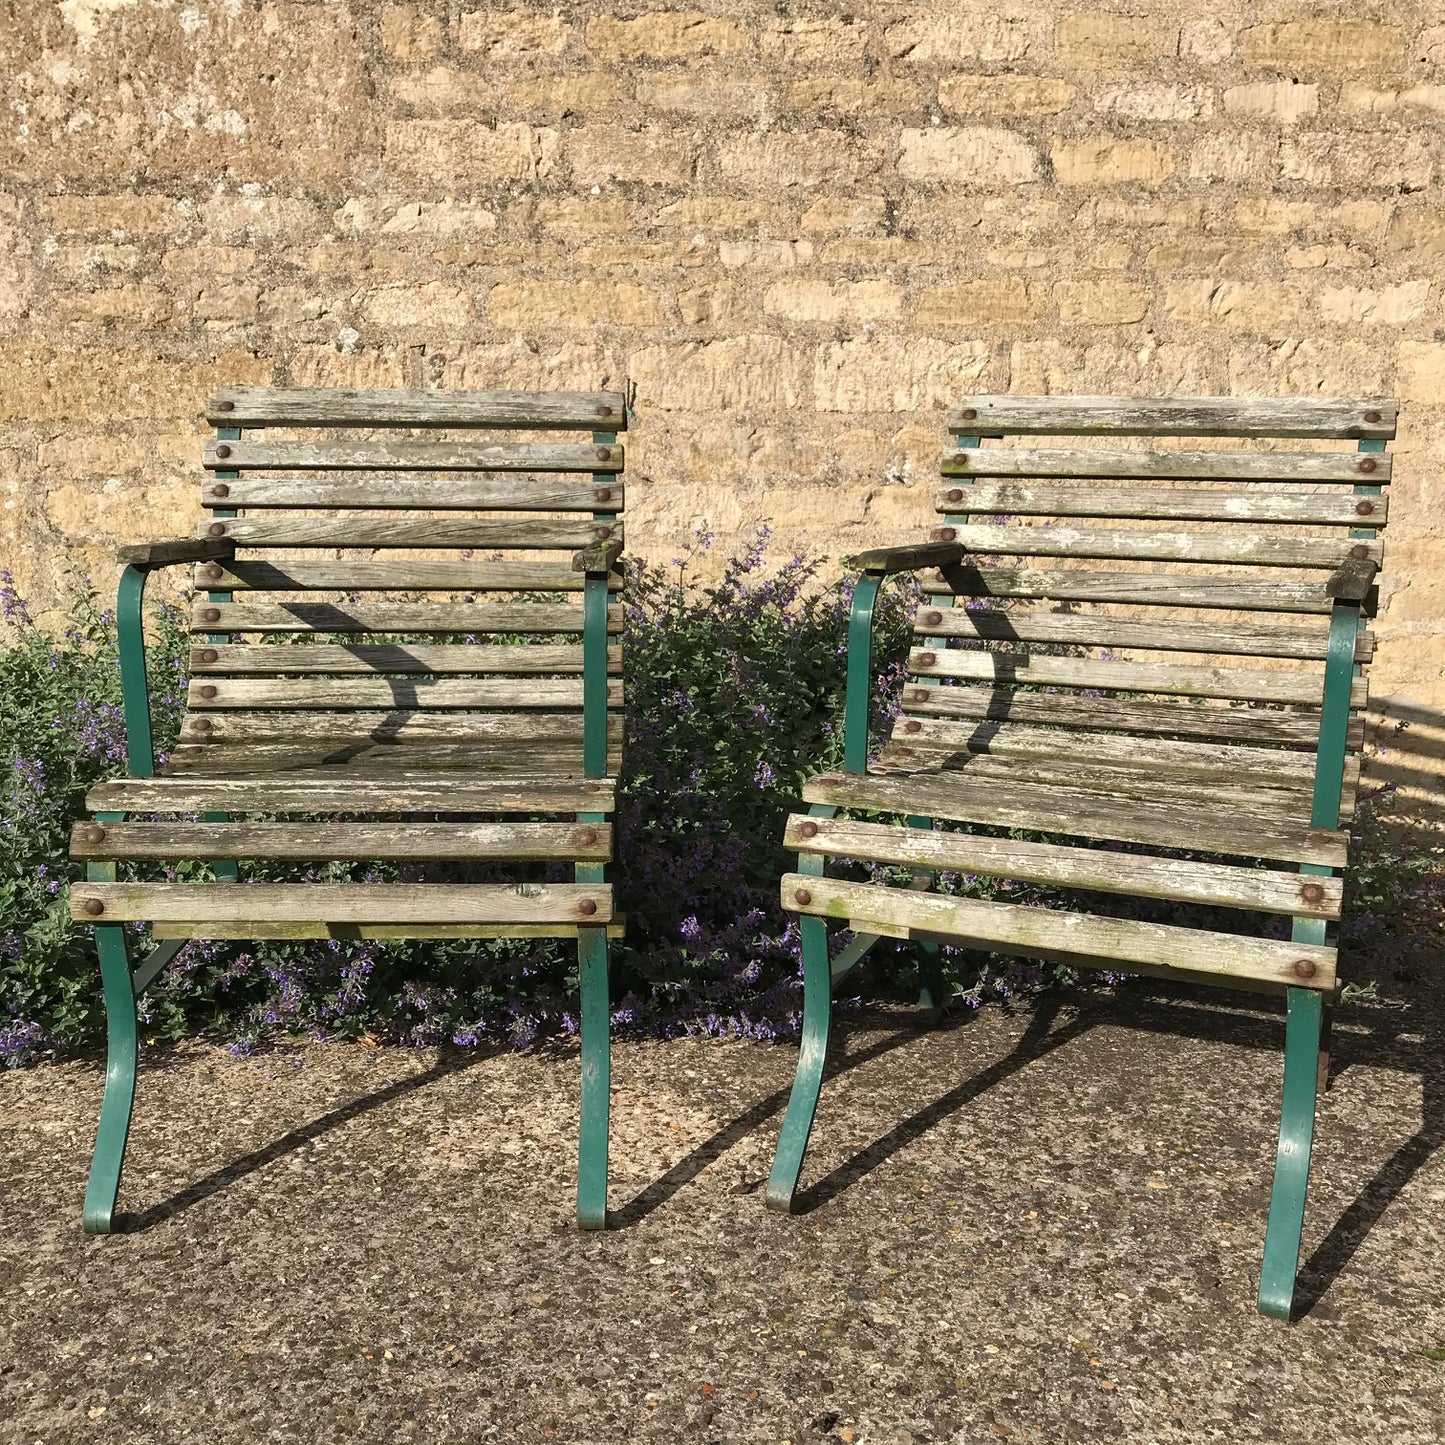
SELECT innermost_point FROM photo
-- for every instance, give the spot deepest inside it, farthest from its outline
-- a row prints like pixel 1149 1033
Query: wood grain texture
pixel 1012 928
pixel 449 456
pixel 410 575
pixel 394 693
pixel 1264 890
pixel 356 842
pixel 251 406
pixel 368 532
pixel 168 554
pixel 415 494
pixel 250 660
pixel 1220 416
pixel 399 757
pixel 269 928
pixel 889 560
pixel 400 725
pixel 521 618
pixel 346 903
pixel 1178 466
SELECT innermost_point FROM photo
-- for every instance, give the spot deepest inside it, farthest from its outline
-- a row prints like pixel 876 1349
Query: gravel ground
pixel 1037 1225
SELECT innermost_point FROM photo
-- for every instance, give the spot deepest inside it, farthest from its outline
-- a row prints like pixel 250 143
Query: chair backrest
pixel 1205 565
pixel 406 515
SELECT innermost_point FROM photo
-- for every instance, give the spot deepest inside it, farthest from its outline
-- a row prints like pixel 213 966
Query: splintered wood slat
pixel 1055 933
pixel 345 903
pixel 458 456
pixel 357 842
pixel 411 575
pixel 246 660
pixel 1143 546
pixel 1025 669
pixel 401 693
pixel 1076 813
pixel 362 531
pixel 1220 416
pixel 1093 629
pixel 1265 890
pixel 1340 509
pixel 410 757
pixel 329 794
pixel 401 725
pixel 251 406
pixel 455 617
pixel 1350 467
pixel 1144 589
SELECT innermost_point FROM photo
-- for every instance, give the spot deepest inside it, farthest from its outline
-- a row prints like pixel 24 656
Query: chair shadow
pixel 221 1179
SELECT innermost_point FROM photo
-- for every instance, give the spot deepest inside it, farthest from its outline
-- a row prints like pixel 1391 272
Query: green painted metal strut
pixel 134 688
pixel 596 1078
pixel 860 674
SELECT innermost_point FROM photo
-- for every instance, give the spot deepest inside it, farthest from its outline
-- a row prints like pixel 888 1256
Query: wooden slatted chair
pixel 1223 777
pixel 498 750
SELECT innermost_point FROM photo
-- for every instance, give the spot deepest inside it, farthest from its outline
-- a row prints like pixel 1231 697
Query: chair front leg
pixel 596 1079
pixel 121 1049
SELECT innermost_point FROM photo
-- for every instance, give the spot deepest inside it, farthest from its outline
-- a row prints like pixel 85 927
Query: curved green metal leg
pixel 596 1079
pixel 808 1081
pixel 121 1046
pixel 1292 1163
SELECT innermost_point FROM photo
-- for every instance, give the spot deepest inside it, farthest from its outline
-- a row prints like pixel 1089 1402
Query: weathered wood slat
pixel 360 842
pixel 1144 589
pixel 1075 813
pixel 257 928
pixel 1144 546
pixel 888 560
pixel 346 903
pixel 452 456
pixel 416 494
pixel 399 693
pixel 250 406
pixel 401 726
pixel 1094 629
pixel 454 617
pixel 1339 509
pixel 1032 669
pixel 1014 929
pixel 1220 416
pixel 1265 890
pixel 171 553
pixel 250 660
pixel 330 794
pixel 1270 727
pixel 412 757
pixel 1351 467
pixel 354 531
pixel 411 575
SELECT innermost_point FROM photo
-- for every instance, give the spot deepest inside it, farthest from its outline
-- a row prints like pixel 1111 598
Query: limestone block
pixel 977 154
pixel 894 374
pixel 739 373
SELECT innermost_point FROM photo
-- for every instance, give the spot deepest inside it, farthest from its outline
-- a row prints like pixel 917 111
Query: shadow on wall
pixel 1406 750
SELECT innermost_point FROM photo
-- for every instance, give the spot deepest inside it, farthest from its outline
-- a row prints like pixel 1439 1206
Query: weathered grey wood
pixel 249 660
pixel 416 494
pixel 357 841
pixel 1141 545
pixel 352 456
pixel 255 928
pixel 411 757
pixel 463 618
pixel 346 903
pixel 1276 727
pixel 1265 890
pixel 1220 416
pixel 350 795
pixel 168 554
pixel 1030 669
pixel 353 531
pixel 399 692
pixel 888 560
pixel 1200 504
pixel 399 725
pixel 1352 581
pixel 1144 589
pixel 243 406
pixel 1350 467
pixel 1076 813
pixel 1013 928
pixel 1095 629
pixel 599 557
pixel 411 575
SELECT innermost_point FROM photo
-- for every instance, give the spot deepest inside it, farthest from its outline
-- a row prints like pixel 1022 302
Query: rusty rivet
pixel 211 614
pixel 932 619
pixel 220 490
pixel 214 573
pixel 225 406
pixel 587 837
pixel 1360 552
pixel 604 454
pixel 604 494
pixel 602 533
pixel 968 413
pixel 955 494
pixel 1372 416
pixel 1312 893
pixel 913 726
pixel 809 829
pixel 95 835
pixel 587 907
pixel 217 529
pixel 202 724
pixel 209 656
pixel 1304 968
pixel 223 450
pixel 946 534
pixel 209 691
pixel 1368 464
pixel 604 411
pixel 801 895
pixel 920 694
pixel 94 907
pixel 1364 509
pixel 927 659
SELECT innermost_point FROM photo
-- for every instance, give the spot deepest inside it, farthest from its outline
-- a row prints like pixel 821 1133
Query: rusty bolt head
pixel 220 490
pixel 217 529
pixel 968 413
pixel 604 454
pixel 920 694
pixel 809 829
pixel 955 494
pixel 604 494
pixel 202 724
pixel 225 406
pixel 94 907
pixel 1303 968
pixel 1360 552
pixel 604 411
pixel 95 835
pixel 587 907
pixel 946 534
pixel 209 691
pixel 211 614
pixel 213 572
pixel 1364 509
pixel 1312 893
pixel 209 656
pixel 602 533
pixel 1368 464
pixel 927 659
pixel 932 619
pixel 1372 417
pixel 223 451
pixel 587 837
pixel 913 726
pixel 801 895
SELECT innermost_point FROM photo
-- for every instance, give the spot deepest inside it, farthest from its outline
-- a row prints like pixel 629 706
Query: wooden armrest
pixel 1351 582
pixel 601 558
pixel 888 560
pixel 166 554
